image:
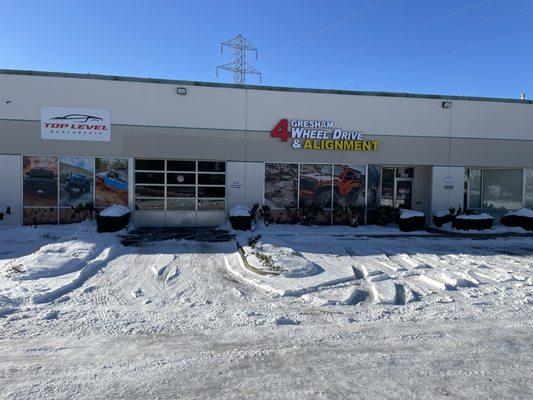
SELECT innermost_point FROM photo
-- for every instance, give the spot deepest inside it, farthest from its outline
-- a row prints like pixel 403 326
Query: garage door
pixel 179 192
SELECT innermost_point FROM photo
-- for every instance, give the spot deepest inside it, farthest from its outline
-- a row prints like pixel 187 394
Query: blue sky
pixel 469 47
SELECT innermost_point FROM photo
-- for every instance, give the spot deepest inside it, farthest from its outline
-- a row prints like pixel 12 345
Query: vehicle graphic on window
pixel 115 179
pixel 40 181
pixel 78 118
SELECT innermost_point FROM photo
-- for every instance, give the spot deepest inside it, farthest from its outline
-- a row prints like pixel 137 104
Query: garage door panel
pixel 180 192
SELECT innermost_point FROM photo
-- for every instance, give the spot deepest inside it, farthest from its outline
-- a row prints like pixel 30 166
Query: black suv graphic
pixel 78 118
pixel 77 184
pixel 40 181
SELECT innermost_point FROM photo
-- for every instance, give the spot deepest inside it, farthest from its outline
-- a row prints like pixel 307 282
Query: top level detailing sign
pixel 59 123
pixel 321 135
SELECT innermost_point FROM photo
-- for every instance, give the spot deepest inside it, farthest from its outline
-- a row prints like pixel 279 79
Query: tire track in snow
pixel 91 268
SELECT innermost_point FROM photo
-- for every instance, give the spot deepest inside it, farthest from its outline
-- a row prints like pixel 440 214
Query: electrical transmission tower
pixel 239 66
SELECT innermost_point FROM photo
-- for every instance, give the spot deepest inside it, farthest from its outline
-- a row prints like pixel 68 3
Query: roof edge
pixel 257 87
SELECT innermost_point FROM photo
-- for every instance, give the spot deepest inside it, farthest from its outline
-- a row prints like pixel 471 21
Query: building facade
pixel 183 153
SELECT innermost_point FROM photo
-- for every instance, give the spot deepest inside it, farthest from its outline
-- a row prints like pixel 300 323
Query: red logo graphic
pixel 281 130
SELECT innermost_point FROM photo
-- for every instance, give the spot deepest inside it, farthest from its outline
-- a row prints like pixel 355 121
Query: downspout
pixel 245 145
pixel 450 151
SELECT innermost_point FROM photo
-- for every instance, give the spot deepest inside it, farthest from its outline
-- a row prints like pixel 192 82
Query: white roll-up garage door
pixel 179 192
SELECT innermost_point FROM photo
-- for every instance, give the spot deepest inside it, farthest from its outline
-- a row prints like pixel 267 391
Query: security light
pixel 446 104
pixel 182 91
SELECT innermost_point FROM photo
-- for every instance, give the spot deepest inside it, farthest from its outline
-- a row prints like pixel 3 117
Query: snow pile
pixel 405 214
pixel 41 272
pixel 137 292
pixel 289 271
pixel 474 216
pixel 240 211
pixel 331 230
pixel 162 264
pixel 51 260
pixel 116 210
pixel 283 320
pixel 296 266
pixel 441 213
pixel 53 314
pixel 523 212
pixel 272 258
pixel 495 230
pixel 7 305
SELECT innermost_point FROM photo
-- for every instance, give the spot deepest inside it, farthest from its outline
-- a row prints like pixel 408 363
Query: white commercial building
pixel 183 153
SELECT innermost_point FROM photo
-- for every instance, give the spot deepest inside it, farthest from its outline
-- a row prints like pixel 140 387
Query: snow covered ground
pixel 81 316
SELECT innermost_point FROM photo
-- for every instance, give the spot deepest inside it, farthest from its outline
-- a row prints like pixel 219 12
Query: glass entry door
pixel 397 187
pixel 403 193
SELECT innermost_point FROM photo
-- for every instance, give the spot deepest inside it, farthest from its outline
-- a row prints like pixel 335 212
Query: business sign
pixel 449 183
pixel 60 123
pixel 321 135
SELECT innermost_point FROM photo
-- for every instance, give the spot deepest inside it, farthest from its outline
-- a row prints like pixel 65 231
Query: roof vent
pixel 522 96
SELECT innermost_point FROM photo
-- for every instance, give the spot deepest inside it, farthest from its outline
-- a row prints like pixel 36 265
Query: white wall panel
pixel 228 108
pixel 11 188
pixel 235 183
pixel 442 199
pixel 132 103
pixel 374 115
pixel 255 182
pixel 244 183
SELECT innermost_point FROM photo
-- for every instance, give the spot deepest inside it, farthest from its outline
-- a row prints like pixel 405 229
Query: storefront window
pixel 211 204
pixel 397 187
pixel 149 191
pixel 404 194
pixel 210 191
pixel 316 184
pixel 529 188
pixel 373 197
pixel 111 181
pixel 176 178
pixel 502 189
pixel 181 191
pixel 387 186
pixel 179 165
pixel 39 186
pixel 150 177
pixel 211 166
pixel 474 189
pixel 404 172
pixel 211 179
pixel 149 165
pixel 349 193
pixel 374 180
pixel 181 204
pixel 281 185
pixel 149 204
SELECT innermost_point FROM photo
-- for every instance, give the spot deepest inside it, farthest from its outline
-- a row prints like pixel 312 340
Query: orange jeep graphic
pixel 317 185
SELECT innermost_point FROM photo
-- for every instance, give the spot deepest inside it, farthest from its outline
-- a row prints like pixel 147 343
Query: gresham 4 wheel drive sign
pixel 321 135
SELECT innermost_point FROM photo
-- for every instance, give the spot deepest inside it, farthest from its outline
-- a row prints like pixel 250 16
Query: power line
pixel 324 28
pixel 449 53
pixel 214 62
pixel 431 21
